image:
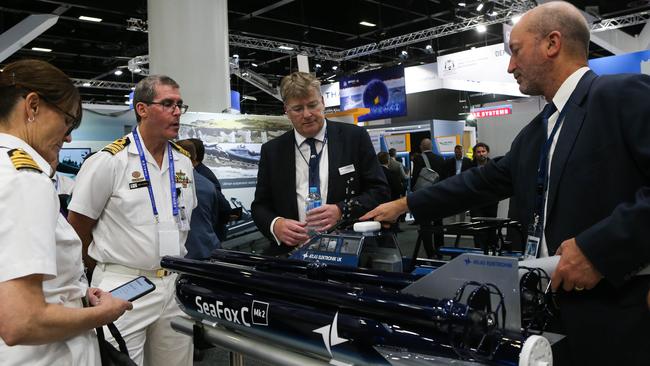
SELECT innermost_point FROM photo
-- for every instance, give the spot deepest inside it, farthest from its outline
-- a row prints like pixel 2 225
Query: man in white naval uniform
pixel 132 205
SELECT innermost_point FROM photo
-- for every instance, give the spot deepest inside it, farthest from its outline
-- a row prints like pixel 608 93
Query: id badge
pixel 532 247
pixel 182 220
pixel 168 239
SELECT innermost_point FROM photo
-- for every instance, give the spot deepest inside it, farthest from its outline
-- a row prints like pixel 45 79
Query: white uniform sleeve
pixel 27 226
pixel 195 201
pixel 94 185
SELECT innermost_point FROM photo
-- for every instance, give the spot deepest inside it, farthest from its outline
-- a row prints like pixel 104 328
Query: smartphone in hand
pixel 134 289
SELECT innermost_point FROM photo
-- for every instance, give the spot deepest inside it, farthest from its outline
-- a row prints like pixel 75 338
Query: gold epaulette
pixel 180 149
pixel 117 145
pixel 22 160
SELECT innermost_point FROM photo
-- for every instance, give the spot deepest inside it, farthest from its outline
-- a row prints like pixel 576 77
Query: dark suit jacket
pixel 599 193
pixel 450 166
pixel 275 194
pixel 436 162
pixel 394 179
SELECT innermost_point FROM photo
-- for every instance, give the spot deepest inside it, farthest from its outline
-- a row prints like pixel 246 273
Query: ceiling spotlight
pixel 118 72
pixel 137 70
pixel 481 28
pixel 318 66
pixel 335 67
pixel 86 84
pixel 480 7
pixel 253 64
pixel 367 24
pixel 39 49
pixel 127 102
pixel 428 49
pixel 462 4
pixel 286 48
pixel 493 13
pixel 403 55
pixel 127 96
pixel 235 55
pixel 516 19
pixel 90 19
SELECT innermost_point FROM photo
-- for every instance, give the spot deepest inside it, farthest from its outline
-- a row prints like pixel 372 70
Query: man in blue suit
pixel 591 195
pixel 208 215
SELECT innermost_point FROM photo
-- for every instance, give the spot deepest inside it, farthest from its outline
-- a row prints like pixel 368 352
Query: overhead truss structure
pixel 620 22
pixel 503 11
pixel 102 84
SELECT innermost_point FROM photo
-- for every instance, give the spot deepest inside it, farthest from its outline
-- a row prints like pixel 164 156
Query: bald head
pixel 425 145
pixel 547 45
pixel 562 17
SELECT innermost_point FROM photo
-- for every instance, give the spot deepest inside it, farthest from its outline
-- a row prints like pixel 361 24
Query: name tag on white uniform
pixel 168 239
pixel 346 169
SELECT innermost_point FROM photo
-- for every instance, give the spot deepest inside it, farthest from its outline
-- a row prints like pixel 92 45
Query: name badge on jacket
pixel 346 169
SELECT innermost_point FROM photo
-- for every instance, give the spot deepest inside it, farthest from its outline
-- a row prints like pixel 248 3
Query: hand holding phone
pixel 134 289
pixel 112 307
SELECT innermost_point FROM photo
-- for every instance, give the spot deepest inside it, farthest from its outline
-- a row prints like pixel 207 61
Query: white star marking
pixel 330 334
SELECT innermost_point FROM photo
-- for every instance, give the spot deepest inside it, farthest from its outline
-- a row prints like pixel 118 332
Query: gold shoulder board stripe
pixel 22 160
pixel 117 145
pixel 180 149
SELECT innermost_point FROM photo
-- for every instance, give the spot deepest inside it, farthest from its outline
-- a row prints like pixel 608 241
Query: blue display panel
pixel 382 91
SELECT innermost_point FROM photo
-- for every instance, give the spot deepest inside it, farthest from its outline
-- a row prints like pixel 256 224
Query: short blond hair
pixel 298 85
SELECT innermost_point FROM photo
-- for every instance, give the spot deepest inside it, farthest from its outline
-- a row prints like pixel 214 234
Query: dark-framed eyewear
pixel 70 120
pixel 168 105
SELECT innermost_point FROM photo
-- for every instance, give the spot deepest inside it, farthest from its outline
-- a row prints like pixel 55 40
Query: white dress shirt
pixel 560 99
pixel 302 154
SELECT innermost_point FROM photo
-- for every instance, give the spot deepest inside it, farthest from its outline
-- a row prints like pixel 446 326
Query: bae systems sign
pixel 496 111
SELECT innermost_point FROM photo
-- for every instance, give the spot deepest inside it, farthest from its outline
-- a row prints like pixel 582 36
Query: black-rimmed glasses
pixel 170 105
pixel 72 121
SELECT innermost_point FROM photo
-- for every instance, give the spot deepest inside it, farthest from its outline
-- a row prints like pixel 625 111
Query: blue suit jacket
pixel 202 238
pixel 599 193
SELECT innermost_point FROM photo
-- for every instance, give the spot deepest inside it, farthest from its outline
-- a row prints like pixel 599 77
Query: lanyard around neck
pixel 317 155
pixel 543 168
pixel 145 171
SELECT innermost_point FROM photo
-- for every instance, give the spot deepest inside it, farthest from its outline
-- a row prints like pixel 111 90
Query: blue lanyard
pixel 542 167
pixel 145 171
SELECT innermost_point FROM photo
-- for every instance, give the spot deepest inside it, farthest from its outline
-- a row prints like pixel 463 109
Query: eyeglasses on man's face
pixel 169 105
pixel 300 108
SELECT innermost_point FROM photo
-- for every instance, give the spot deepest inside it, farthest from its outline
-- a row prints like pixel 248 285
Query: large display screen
pixel 73 157
pixel 383 91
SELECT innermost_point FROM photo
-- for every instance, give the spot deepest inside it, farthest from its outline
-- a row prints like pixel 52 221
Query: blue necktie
pixel 542 169
pixel 548 111
pixel 314 159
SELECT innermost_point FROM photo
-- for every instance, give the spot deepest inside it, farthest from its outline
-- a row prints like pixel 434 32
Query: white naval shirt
pixel 126 232
pixel 37 239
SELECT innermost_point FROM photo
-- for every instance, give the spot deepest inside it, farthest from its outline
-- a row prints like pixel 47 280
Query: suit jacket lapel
pixel 334 146
pixel 573 120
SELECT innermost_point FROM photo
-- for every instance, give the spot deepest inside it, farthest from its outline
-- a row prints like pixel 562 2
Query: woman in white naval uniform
pixel 42 318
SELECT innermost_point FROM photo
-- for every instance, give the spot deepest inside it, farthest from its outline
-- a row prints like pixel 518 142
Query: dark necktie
pixel 314 158
pixel 548 111
pixel 542 173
